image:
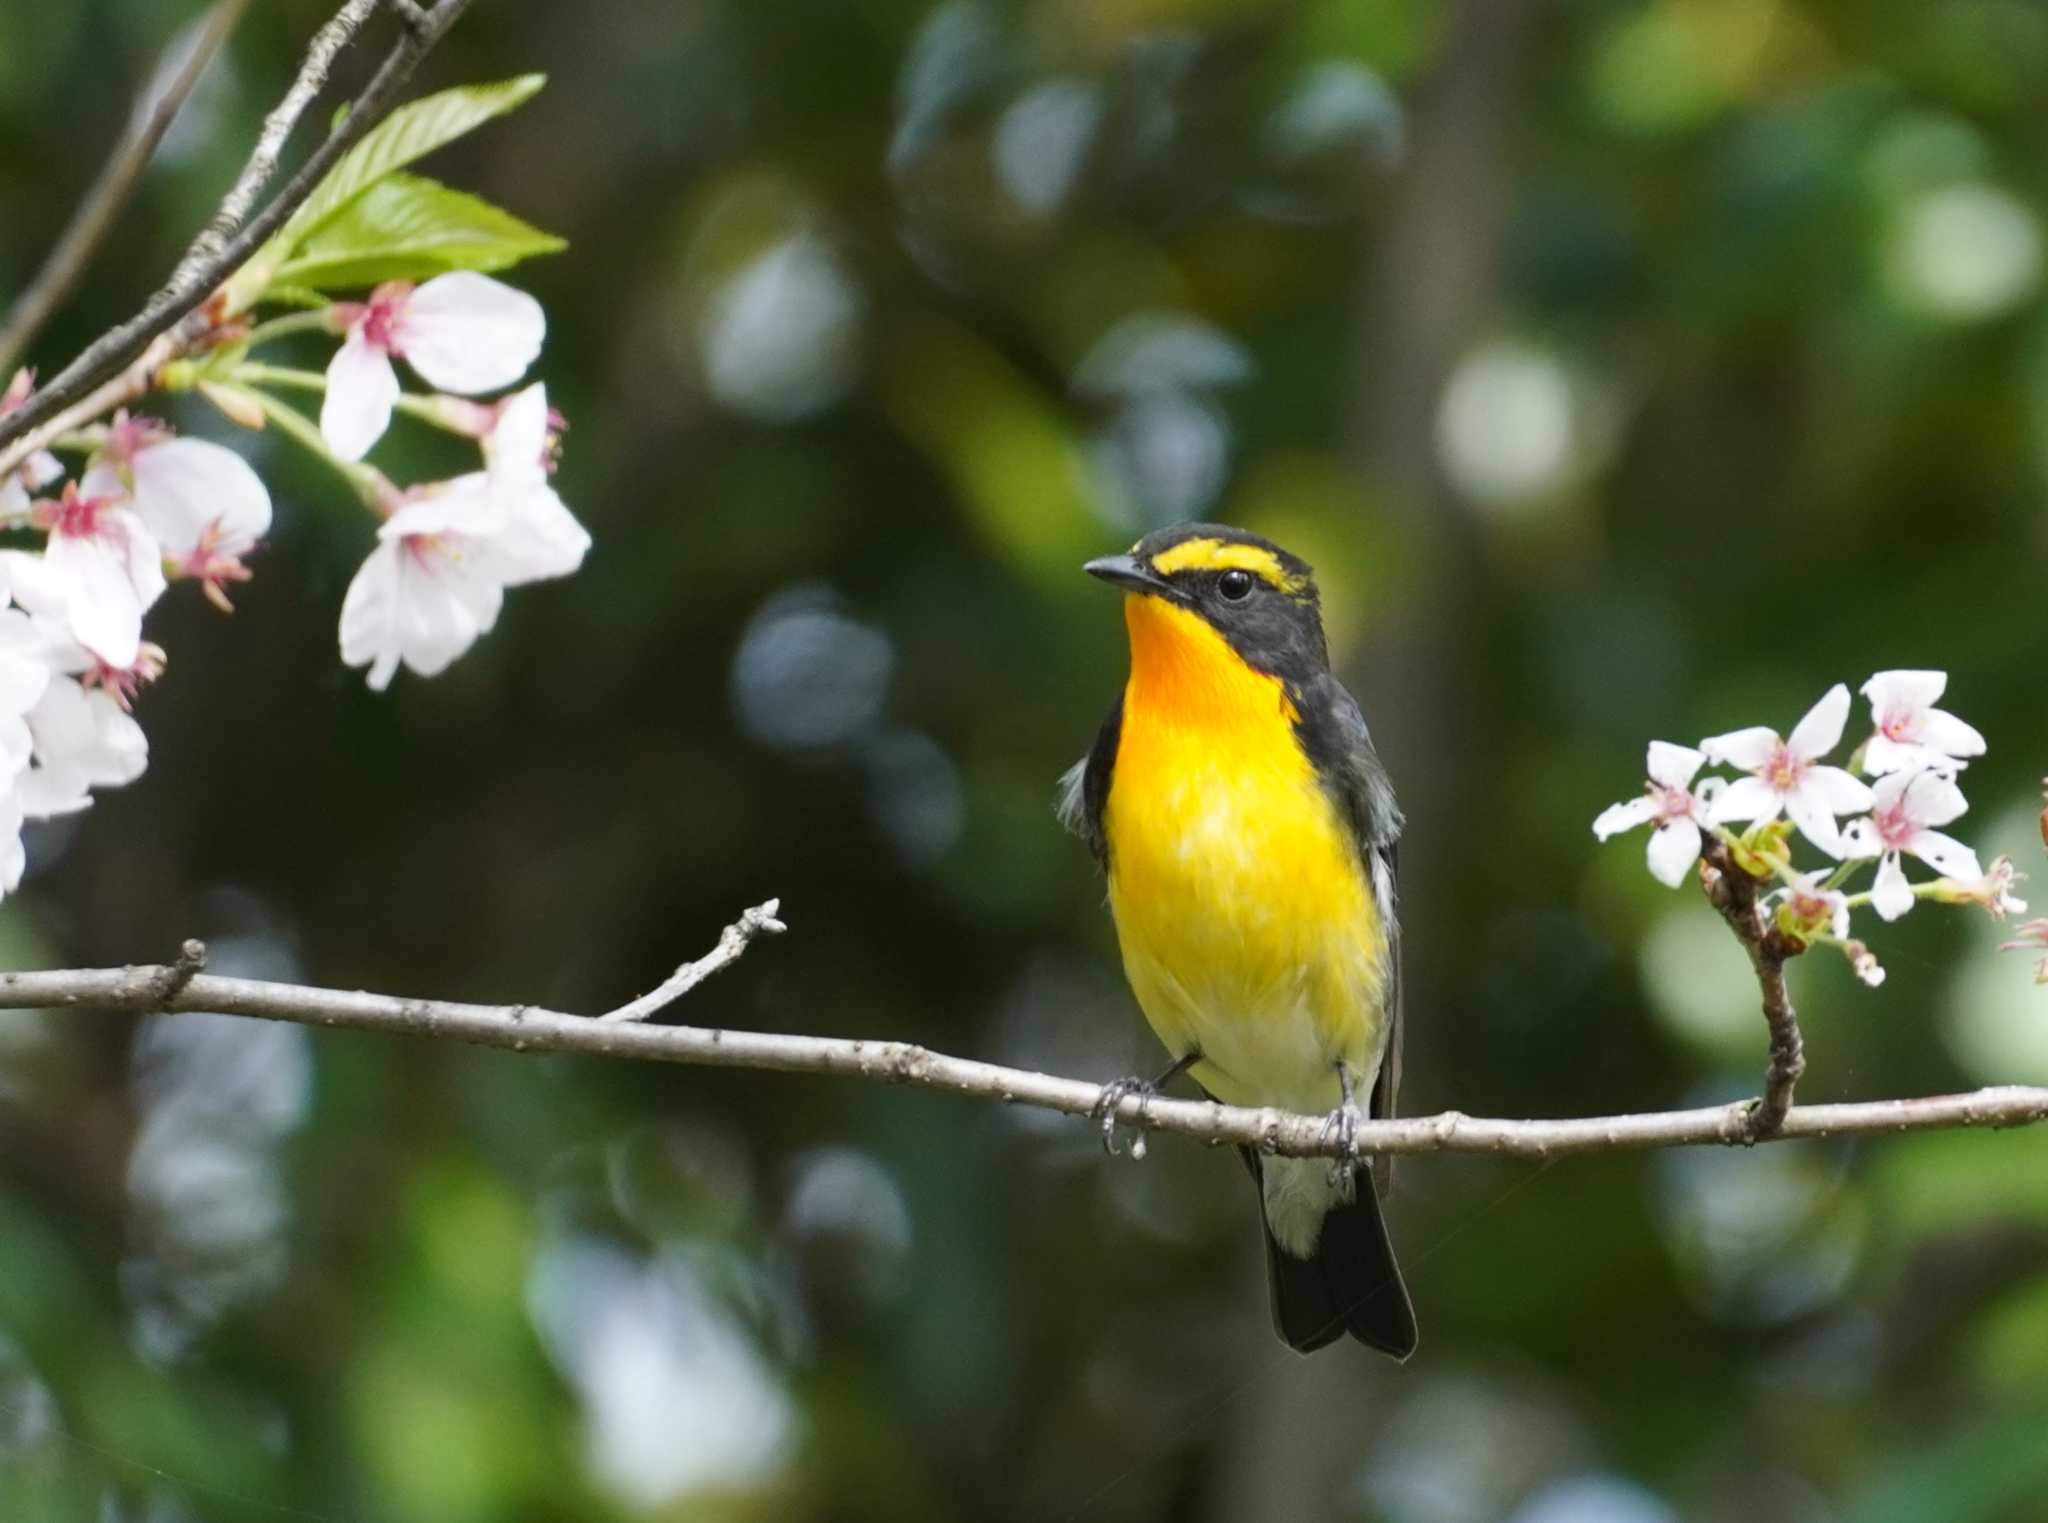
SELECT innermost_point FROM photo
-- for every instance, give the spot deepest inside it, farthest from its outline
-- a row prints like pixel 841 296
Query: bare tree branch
pixel 128 346
pixel 624 1034
pixel 90 223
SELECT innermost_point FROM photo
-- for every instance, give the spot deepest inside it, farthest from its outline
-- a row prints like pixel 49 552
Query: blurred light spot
pixel 1461 1449
pixel 28 1409
pixel 676 1398
pixel 1340 104
pixel 1760 1236
pixel 1168 454
pixel 1594 1499
pixel 849 1219
pixel 914 794
pixel 781 340
pixel 1153 352
pixel 1671 66
pixel 216 1095
pixel 1921 150
pixel 1695 974
pixel 1512 430
pixel 1994 1016
pixel 806 675
pixel 1042 140
pixel 957 52
pixel 1963 253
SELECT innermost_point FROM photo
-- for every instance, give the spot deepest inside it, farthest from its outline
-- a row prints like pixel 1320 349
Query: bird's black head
pixel 1257 596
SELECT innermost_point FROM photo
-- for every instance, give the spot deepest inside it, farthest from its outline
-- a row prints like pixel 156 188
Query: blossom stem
pixel 305 432
pixel 312 321
pixel 1932 889
pixel 1733 842
pixel 81 441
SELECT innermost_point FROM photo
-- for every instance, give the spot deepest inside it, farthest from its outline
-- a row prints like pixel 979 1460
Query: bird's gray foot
pixel 1341 1128
pixel 1116 1091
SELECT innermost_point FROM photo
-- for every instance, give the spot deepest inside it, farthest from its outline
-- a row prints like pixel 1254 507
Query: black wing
pixel 1084 789
pixel 1334 734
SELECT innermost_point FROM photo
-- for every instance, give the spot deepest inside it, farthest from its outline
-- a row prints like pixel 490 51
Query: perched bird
pixel 1248 833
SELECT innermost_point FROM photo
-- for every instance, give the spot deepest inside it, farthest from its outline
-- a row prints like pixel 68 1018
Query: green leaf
pixel 410 132
pixel 406 227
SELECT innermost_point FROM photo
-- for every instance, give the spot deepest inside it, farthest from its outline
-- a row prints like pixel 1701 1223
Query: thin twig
pixel 325 47
pixel 731 947
pixel 1734 893
pixel 526 1029
pixel 90 223
pixel 119 346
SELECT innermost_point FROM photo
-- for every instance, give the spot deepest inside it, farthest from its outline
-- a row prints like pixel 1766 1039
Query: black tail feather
pixel 1351 1284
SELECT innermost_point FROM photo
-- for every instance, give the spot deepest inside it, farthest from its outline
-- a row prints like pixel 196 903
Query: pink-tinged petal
pixel 188 489
pixel 1837 791
pixel 103 480
pixel 1951 736
pixel 1673 766
pixel 539 539
pixel 361 388
pixel 1748 749
pixel 100 601
pixel 464 505
pixel 1947 856
pixel 1747 798
pixel 1932 799
pixel 1891 895
pixel 467 333
pixel 1821 730
pixel 369 615
pixel 1904 691
pixel 1805 809
pixel 40 469
pixel 1616 818
pixel 1674 847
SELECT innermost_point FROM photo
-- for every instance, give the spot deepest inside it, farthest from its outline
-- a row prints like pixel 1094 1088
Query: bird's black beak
pixel 1128 572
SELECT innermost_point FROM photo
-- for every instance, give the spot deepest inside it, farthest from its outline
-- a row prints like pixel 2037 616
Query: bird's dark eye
pixel 1235 586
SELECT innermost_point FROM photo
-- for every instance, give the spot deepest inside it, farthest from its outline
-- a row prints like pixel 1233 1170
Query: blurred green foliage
pixel 1627 369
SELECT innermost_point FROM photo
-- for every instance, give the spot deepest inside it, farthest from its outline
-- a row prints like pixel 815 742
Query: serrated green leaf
pixel 407 227
pixel 413 130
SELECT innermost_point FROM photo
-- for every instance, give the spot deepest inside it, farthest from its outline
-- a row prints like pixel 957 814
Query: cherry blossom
pixel 1905 808
pixel 100 570
pixel 436 580
pixel 463 332
pixel 1669 802
pixel 201 500
pixel 39 470
pixel 1911 732
pixel 1992 893
pixel 1786 775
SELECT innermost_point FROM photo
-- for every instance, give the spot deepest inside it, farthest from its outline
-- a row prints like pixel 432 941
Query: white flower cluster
pixel 448 549
pixel 1912 758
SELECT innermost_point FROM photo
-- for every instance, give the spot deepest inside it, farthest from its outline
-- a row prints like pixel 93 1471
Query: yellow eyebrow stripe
pixel 1222 555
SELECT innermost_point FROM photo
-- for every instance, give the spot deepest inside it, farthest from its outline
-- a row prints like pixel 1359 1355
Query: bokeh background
pixel 1627 370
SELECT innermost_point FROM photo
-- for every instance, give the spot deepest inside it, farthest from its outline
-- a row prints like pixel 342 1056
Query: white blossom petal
pixel 1747 749
pixel 105 581
pixel 1837 791
pixel 516 449
pixel 1628 814
pixel 1674 847
pixel 1747 798
pixel 1883 755
pixel 1951 736
pixel 188 488
pixel 1809 811
pixel 1673 766
pixel 1891 895
pixel 1932 799
pixel 1947 856
pixel 414 600
pixel 1821 730
pixel 468 333
pixel 13 860
pixel 1901 691
pixel 361 388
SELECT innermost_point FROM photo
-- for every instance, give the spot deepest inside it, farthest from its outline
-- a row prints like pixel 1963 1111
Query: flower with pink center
pixel 1905 808
pixel 463 332
pixel 445 556
pixel 1809 910
pixel 1992 893
pixel 1669 802
pixel 201 500
pixel 100 570
pixel 1911 732
pixel 1786 775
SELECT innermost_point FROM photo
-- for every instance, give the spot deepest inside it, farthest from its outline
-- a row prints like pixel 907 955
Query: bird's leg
pixel 1116 1091
pixel 1342 1127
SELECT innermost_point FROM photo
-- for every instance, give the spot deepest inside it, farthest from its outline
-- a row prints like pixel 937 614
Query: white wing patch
pixel 1070 804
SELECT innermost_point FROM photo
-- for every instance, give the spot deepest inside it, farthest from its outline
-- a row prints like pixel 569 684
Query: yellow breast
pixel 1246 920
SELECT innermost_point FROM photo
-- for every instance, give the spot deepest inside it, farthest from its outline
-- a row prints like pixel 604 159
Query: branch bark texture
pixel 624 1033
pixel 222 249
